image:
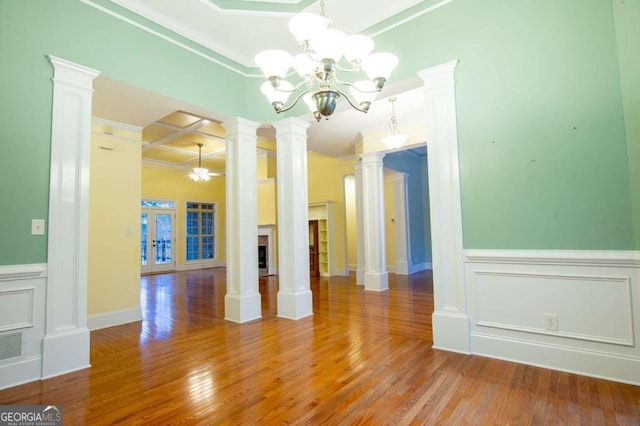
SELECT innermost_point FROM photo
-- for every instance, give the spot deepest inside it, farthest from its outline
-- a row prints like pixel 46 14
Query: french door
pixel 157 241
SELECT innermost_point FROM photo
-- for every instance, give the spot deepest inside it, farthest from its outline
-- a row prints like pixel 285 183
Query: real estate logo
pixel 30 415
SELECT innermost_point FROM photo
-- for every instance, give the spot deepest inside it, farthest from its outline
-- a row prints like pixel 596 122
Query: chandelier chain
pixel 322 8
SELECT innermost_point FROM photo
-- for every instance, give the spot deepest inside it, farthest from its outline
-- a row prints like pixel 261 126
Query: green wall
pixel 627 18
pixel 543 154
pixel 30 30
pixel 547 159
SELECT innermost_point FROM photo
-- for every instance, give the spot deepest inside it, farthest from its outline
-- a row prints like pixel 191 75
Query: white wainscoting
pixel 22 323
pixel 593 294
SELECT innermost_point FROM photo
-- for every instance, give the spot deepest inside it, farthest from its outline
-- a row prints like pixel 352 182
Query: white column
pixel 402 223
pixel 294 296
pixel 65 346
pixel 376 277
pixel 359 223
pixel 242 301
pixel 450 320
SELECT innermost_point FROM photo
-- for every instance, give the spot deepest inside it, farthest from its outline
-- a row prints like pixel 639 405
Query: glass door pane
pixel 163 238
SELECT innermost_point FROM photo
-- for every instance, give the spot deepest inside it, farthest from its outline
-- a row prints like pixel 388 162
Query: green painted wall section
pixel 543 154
pixel 548 156
pixel 30 30
pixel 627 18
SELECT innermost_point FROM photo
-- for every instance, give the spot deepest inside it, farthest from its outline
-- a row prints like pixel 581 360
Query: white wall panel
pixel 594 294
pixel 22 310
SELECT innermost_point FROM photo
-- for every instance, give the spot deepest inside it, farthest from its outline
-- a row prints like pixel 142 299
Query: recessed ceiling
pixel 239 29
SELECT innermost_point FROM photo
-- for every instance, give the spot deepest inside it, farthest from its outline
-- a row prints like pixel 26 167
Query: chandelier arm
pixel 346 83
pixel 295 101
pixel 299 85
pixel 350 101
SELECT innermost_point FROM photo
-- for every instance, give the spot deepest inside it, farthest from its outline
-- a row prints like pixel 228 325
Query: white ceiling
pixel 239 33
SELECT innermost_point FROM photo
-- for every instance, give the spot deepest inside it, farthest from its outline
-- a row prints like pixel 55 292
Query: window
pixel 200 228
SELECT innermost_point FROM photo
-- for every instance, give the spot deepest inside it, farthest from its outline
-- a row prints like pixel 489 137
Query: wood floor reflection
pixel 362 358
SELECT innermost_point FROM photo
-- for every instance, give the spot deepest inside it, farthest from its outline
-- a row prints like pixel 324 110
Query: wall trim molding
pixel 114 318
pixel 23 272
pixel 602 258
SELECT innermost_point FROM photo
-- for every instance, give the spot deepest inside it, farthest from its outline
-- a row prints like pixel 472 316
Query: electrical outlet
pixel 551 322
pixel 37 227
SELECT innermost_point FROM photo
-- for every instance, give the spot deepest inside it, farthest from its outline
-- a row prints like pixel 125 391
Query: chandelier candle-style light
pixel 323 48
pixel 200 174
pixel 396 139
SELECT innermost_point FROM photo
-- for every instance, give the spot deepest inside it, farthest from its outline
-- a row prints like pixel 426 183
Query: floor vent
pixel 10 345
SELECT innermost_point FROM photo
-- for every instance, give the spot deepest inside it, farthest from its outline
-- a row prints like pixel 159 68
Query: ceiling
pixel 172 129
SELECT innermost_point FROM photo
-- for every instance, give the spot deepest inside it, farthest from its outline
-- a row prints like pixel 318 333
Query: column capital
pixel 291 125
pixel 372 157
pixel 439 76
pixel 240 125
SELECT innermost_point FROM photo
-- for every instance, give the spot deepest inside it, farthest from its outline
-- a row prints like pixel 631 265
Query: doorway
pixel 157 252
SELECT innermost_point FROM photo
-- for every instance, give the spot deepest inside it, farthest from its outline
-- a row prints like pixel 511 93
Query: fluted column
pixel 294 296
pixel 376 277
pixel 359 223
pixel 242 301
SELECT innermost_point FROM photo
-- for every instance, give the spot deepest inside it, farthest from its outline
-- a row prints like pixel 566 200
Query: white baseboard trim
pixel 65 352
pixel 20 372
pixel 199 265
pixel 451 332
pixel 600 365
pixel 419 267
pixel 113 318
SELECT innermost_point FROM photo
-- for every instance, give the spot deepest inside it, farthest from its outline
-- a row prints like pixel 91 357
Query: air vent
pixel 10 345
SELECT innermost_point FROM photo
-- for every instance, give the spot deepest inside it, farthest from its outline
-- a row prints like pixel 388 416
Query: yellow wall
pixel 326 183
pixel 352 242
pixel 165 183
pixel 267 202
pixel 114 222
pixel 266 166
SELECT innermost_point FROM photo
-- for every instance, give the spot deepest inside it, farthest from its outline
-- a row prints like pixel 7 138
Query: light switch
pixel 37 227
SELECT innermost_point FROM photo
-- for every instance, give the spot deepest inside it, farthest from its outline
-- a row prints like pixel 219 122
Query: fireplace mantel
pixel 269 232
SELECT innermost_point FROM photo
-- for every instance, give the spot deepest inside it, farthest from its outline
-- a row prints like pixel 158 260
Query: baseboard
pixel 113 318
pixel 451 331
pixel 600 365
pixel 20 372
pixel 200 265
pixel 419 267
pixel 65 352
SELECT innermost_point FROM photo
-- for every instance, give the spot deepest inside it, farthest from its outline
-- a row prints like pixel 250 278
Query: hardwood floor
pixel 362 358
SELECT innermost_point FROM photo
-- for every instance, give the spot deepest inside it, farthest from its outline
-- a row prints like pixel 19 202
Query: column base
pixel 360 276
pixel 376 281
pixel 65 352
pixel 295 305
pixel 451 332
pixel 242 308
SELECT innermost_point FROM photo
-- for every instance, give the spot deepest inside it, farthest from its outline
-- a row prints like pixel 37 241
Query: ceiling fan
pixel 201 174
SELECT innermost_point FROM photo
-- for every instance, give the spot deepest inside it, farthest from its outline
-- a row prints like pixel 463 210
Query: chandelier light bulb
pixel 357 48
pixel 305 26
pixel 304 65
pixel 379 65
pixel 329 44
pixel 274 63
pixel 279 94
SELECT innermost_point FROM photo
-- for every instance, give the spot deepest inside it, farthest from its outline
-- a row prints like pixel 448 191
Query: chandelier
pixel 323 48
pixel 200 174
pixel 396 139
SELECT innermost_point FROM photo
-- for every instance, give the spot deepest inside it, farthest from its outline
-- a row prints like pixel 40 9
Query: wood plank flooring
pixel 362 358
